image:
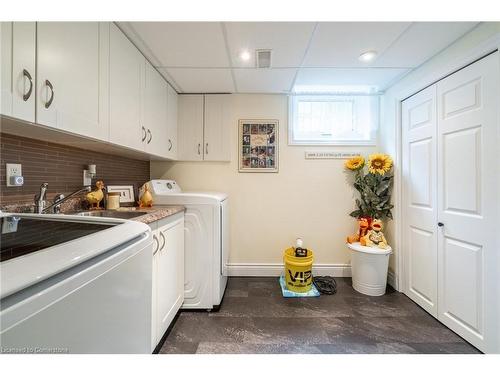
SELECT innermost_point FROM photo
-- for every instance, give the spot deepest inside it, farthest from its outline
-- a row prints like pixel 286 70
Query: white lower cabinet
pixel 168 274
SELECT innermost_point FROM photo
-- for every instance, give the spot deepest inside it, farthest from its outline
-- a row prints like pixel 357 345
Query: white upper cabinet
pixel 172 103
pixel 203 132
pixel 68 78
pixel 190 129
pixel 126 80
pixel 216 134
pixel 155 113
pixel 90 81
pixel 18 70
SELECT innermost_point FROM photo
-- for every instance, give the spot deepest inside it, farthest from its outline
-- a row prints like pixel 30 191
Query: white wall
pixel 307 198
pixel 456 55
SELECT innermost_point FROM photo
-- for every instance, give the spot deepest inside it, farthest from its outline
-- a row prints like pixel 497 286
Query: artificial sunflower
pixel 355 163
pixel 379 163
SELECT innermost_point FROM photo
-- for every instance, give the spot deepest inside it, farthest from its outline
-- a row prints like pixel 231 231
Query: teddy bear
pixel 375 237
pixel 363 229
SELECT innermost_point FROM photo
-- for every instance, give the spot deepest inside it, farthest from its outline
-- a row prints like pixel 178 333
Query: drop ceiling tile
pixel 287 40
pixel 199 80
pixel 264 80
pixel 339 44
pixel 421 41
pixel 376 77
pixel 184 44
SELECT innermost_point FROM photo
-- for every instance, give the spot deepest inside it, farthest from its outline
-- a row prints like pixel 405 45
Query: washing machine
pixel 206 241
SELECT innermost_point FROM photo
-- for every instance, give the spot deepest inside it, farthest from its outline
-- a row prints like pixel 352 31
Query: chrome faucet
pixel 60 199
pixel 40 198
pixel 41 201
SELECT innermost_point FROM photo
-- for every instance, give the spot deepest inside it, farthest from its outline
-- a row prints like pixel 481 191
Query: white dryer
pixel 206 239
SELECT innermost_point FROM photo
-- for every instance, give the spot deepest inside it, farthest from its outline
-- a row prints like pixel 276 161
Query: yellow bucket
pixel 298 271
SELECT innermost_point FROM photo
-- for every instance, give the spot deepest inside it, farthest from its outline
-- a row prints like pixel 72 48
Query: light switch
pixel 14 176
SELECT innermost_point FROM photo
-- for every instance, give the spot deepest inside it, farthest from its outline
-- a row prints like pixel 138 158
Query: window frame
pixel 328 97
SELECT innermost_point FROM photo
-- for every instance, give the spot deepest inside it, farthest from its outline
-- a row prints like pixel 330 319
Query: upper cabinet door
pixel 18 70
pixel 155 113
pixel 172 123
pixel 68 62
pixel 216 132
pixel 190 129
pixel 126 80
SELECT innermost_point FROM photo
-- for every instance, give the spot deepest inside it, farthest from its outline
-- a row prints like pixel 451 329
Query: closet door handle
pixel 169 145
pixel 27 95
pixel 49 85
pixel 199 149
pixel 150 136
pixel 143 134
pixel 206 148
pixel 157 244
pixel 164 240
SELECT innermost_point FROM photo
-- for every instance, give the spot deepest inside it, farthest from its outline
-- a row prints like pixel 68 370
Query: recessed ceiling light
pixel 368 56
pixel 245 55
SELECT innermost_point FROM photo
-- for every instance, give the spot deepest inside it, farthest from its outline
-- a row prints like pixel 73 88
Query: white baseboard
pixel 276 269
pixel 392 280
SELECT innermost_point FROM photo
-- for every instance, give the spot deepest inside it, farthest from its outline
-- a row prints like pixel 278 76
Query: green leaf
pixel 356 213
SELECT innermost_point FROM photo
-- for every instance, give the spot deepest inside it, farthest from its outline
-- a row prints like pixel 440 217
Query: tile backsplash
pixel 62 167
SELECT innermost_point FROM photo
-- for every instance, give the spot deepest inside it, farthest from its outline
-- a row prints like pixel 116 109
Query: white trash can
pixel 369 266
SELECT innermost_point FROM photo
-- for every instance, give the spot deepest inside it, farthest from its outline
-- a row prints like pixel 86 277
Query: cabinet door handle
pixel 169 145
pixel 206 148
pixel 49 85
pixel 164 240
pixel 143 134
pixel 27 95
pixel 150 136
pixel 199 149
pixel 157 244
pixel 440 224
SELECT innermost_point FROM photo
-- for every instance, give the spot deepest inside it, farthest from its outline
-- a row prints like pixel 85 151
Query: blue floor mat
pixel 289 294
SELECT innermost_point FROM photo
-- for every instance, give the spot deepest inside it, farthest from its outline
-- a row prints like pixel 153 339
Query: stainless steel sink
pixel 110 213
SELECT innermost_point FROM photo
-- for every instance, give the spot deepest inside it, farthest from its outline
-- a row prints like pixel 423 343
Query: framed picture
pixel 127 196
pixel 258 145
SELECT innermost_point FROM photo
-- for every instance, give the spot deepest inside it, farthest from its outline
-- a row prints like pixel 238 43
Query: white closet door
pixel 468 202
pixel 419 197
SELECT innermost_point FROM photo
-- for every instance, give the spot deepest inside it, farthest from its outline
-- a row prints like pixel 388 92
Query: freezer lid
pixel 20 272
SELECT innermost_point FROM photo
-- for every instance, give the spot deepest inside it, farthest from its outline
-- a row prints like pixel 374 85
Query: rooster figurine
pixel 146 199
pixel 95 197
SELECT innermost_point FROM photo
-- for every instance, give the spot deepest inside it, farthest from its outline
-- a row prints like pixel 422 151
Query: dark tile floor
pixel 255 318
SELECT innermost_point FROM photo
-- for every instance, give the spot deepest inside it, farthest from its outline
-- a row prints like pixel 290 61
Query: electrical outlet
pixel 9 224
pixel 13 170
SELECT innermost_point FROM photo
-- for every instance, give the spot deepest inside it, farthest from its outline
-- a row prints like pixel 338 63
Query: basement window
pixel 333 119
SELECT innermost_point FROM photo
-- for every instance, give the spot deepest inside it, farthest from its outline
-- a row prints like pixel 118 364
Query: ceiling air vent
pixel 263 58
